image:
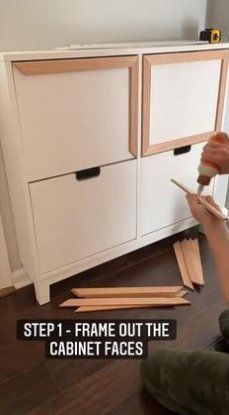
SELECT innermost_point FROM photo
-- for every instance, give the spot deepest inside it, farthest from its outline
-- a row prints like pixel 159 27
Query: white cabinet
pixel 75 218
pixel 161 202
pixel 76 114
pixel 183 98
pixel 88 138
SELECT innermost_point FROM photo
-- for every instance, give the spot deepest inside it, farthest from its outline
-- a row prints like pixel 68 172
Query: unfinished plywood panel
pixel 187 90
pixel 124 301
pixel 127 292
pixel 182 265
pixel 88 107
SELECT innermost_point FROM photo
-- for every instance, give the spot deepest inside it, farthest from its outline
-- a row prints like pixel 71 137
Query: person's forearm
pixel 218 237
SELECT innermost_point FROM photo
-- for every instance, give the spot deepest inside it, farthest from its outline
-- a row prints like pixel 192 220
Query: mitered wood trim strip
pixel 124 301
pixel 84 309
pixel 45 67
pixel 146 104
pixel 110 292
pixel 196 247
pixel 182 265
pixel 107 308
pixel 181 293
pixel 190 260
pixel 134 89
pixel 182 57
pixel 222 91
pixel 176 143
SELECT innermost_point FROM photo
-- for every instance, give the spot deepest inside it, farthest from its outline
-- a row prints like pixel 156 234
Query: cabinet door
pixel 161 202
pixel 78 217
pixel 183 97
pixel 77 113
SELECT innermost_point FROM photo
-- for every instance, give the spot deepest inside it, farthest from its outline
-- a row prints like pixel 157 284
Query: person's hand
pixel 217 153
pixel 199 212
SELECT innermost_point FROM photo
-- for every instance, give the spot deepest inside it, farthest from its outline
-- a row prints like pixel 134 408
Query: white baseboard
pixel 20 278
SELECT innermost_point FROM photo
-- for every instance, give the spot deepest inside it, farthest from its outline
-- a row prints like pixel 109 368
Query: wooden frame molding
pixel 159 301
pixel 109 292
pixel 161 59
pixel 58 66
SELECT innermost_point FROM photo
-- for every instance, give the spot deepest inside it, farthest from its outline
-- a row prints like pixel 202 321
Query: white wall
pixel 37 24
pixel 42 24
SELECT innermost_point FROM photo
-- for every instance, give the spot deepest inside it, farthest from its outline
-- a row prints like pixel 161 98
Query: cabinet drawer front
pixel 77 113
pixel 161 202
pixel 75 218
pixel 183 98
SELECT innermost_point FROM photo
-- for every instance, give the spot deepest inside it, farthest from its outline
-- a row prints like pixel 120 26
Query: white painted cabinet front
pixel 76 114
pixel 161 202
pixel 183 98
pixel 75 218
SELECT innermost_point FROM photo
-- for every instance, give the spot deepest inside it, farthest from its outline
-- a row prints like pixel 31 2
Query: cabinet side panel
pixel 14 162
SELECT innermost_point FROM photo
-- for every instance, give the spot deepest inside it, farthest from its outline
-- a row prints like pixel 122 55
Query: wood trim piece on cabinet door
pixel 161 59
pixel 57 66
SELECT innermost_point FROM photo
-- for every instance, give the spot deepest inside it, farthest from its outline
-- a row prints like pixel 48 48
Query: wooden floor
pixel 32 385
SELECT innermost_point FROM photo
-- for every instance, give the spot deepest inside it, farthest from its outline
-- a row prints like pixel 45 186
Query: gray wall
pixel 218 16
pixel 37 24
pixel 42 24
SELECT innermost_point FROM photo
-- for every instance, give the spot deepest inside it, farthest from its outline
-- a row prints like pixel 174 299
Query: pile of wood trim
pixel 114 298
pixel 188 258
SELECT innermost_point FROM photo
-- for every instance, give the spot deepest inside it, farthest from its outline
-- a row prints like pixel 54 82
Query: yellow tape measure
pixel 211 35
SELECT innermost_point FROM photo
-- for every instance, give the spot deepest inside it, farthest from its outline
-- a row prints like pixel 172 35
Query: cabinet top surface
pixel 76 51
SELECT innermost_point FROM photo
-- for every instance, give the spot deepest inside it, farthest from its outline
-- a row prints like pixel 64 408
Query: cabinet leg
pixel 42 291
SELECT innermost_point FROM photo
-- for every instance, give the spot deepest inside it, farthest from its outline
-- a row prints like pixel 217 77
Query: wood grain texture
pixel 182 265
pixel 83 309
pixel 222 91
pixel 190 260
pixel 134 90
pixel 89 309
pixel 44 67
pixel 110 292
pixel 196 248
pixel 146 106
pixel 124 301
pixel 160 59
